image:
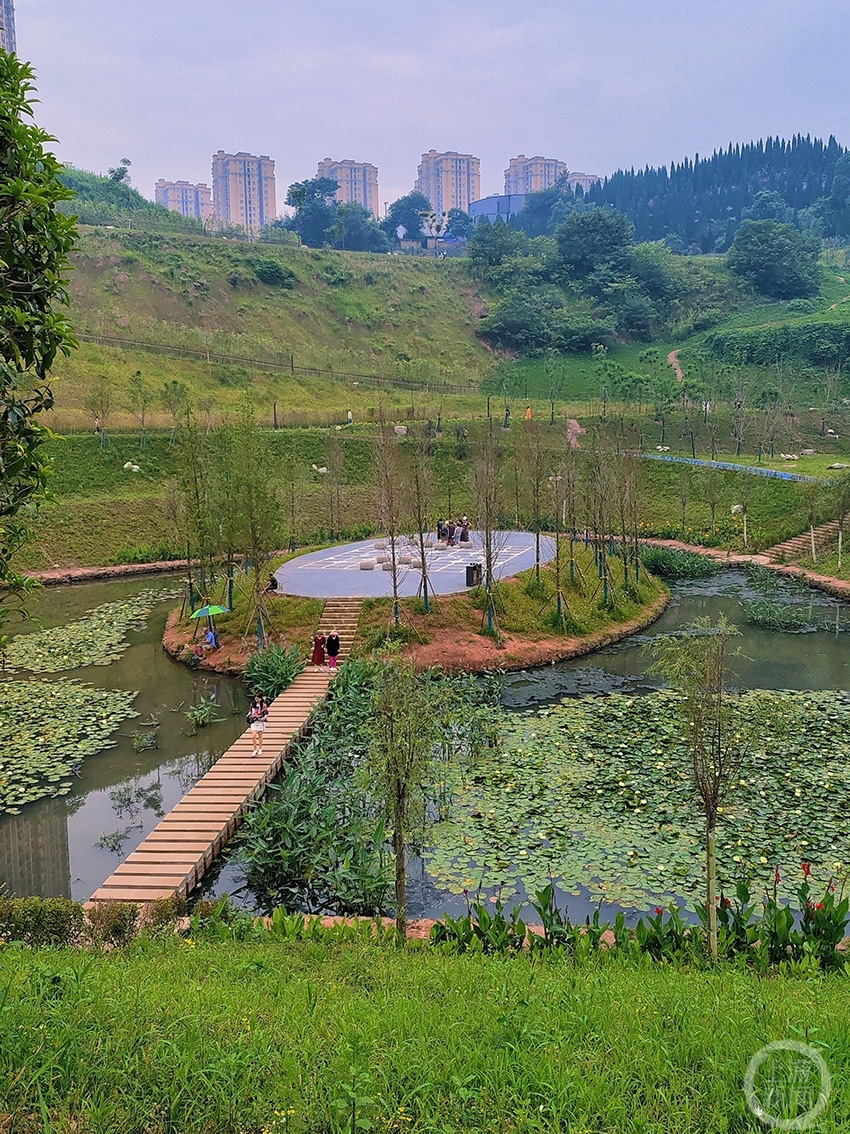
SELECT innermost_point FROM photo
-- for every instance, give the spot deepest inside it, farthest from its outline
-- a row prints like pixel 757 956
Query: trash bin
pixel 473 574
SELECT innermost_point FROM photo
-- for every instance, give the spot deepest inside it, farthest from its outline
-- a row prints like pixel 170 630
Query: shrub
pixel 275 274
pixel 335 275
pixel 272 670
pixel 111 924
pixel 39 922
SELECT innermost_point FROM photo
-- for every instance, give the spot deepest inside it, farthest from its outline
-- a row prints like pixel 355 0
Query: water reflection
pixel 69 846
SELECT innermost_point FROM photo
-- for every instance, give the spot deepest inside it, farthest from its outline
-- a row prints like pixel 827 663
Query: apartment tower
pixel 450 180
pixel 184 197
pixel 530 175
pixel 243 189
pixel 358 181
pixel 7 25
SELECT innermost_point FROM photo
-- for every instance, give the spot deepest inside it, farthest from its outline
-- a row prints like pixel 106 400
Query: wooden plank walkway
pixel 173 858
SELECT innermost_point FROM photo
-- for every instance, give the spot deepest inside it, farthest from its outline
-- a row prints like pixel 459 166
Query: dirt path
pixel 833 306
pixel 673 359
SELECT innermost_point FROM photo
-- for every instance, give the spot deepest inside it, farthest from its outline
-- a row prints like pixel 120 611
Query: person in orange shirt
pixel 528 413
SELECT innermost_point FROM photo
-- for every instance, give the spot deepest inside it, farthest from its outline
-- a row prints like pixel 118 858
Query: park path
pixel 174 857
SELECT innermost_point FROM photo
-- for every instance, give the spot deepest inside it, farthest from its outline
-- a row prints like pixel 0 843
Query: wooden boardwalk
pixel 173 858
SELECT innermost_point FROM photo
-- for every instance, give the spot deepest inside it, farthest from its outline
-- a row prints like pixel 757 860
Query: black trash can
pixel 473 574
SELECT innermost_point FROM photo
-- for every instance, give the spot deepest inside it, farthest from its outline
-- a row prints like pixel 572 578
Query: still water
pixel 68 846
pixel 52 847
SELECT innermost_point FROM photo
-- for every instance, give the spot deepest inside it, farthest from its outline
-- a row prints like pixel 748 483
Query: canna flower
pixel 658 911
pixel 777 877
pixel 807 870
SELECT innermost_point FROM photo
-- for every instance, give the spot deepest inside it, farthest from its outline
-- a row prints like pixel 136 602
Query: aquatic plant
pixel 776 615
pixel 47 729
pixel 670 563
pixel 203 714
pixel 596 793
pixel 272 670
pixel 98 638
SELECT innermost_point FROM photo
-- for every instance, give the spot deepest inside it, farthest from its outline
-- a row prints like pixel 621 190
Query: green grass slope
pixel 343 311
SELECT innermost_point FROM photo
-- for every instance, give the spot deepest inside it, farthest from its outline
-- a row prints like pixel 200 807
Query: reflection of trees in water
pixel 114 840
pixel 189 769
pixel 131 797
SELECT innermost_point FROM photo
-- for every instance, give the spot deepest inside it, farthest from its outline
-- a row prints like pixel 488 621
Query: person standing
pixel 332 646
pixel 528 413
pixel 318 657
pixel 257 714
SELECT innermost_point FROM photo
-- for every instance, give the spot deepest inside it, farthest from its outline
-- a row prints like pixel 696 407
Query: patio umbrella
pixel 209 611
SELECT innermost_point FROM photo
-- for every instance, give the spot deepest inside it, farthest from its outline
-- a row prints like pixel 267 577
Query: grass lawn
pixel 332 1037
pixel 522 609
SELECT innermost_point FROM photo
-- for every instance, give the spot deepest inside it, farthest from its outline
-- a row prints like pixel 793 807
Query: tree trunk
pixel 840 541
pixel 711 885
pixel 814 549
pixel 400 881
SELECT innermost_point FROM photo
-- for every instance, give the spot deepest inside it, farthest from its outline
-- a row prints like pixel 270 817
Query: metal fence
pixel 727 466
pixel 282 364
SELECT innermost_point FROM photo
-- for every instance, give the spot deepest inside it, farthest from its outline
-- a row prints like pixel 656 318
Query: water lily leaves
pixel 606 782
pixel 46 729
pixel 96 639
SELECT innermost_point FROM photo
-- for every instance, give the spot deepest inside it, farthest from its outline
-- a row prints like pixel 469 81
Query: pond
pixel 68 845
pixel 814 660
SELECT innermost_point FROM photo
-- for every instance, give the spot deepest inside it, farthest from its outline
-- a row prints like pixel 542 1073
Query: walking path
pixel 173 858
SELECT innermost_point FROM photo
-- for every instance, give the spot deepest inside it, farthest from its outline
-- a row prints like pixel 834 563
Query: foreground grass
pixel 335 1037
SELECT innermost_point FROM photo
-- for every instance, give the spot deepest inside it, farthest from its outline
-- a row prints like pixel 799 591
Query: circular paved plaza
pixel 343 571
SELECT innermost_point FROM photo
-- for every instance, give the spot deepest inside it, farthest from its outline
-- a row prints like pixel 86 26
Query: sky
pixel 600 84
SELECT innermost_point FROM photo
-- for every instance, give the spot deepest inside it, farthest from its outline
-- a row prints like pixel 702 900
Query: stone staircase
pixel 342 614
pixel 800 547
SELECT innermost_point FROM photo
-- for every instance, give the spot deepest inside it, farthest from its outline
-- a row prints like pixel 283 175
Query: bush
pixel 111 924
pixel 272 670
pixel 40 922
pixel 275 274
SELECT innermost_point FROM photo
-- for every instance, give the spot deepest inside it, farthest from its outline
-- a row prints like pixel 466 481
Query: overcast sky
pixel 598 84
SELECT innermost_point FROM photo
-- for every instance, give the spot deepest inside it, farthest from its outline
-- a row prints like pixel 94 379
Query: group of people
pixel 325 648
pixel 452 532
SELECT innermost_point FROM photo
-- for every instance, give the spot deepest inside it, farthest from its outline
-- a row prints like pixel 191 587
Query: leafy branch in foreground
pixel 35 241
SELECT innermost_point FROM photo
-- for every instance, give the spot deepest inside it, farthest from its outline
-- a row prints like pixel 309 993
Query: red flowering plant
pixel 823 923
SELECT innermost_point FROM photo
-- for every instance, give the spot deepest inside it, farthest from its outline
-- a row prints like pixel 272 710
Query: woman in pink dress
pixel 318 658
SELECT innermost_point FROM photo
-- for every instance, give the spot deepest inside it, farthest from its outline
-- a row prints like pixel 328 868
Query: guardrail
pixel 728 466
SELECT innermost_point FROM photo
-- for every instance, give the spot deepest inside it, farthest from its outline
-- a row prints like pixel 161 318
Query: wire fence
pixel 728 466
pixel 283 364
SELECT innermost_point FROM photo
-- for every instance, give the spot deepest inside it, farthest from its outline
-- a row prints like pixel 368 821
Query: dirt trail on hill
pixel 673 359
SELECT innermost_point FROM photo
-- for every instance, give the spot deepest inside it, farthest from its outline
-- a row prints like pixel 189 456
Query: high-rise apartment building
pixel 243 189
pixel 450 180
pixel 184 197
pixel 530 175
pixel 7 25
pixel 358 181
pixel 585 180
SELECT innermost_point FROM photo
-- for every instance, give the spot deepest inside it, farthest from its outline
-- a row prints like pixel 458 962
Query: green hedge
pixel 819 343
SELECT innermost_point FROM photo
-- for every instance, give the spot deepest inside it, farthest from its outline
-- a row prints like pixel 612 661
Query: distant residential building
pixel 7 25
pixel 585 180
pixel 450 180
pixel 531 175
pixel 243 189
pixel 497 207
pixel 358 181
pixel 184 197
